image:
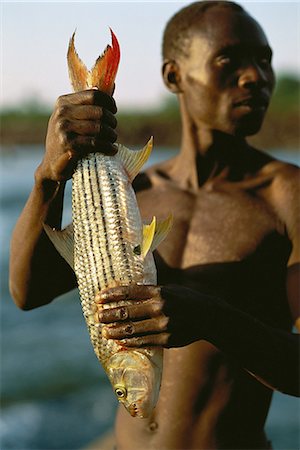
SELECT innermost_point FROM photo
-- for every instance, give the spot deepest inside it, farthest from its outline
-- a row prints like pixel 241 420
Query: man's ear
pixel 171 76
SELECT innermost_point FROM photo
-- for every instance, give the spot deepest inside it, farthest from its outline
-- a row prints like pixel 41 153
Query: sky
pixel 35 36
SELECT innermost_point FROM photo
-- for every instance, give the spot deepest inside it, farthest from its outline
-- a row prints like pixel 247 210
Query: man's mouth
pixel 252 103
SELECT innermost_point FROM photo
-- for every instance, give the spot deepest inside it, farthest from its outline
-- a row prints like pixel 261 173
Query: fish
pixel 108 245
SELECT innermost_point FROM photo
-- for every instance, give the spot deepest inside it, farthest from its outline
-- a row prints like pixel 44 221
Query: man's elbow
pixel 24 299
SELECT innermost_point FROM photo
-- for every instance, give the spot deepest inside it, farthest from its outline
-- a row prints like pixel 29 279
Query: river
pixel 54 393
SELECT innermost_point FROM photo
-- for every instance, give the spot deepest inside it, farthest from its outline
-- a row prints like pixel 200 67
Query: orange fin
pixel 77 70
pixel 104 72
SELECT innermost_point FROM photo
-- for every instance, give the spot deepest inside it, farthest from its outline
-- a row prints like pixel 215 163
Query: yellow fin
pixel 148 235
pixel 63 241
pixel 161 231
pixel 132 160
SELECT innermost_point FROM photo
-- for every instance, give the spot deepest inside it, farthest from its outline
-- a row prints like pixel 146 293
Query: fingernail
pixel 105 332
pixel 97 297
pixel 103 296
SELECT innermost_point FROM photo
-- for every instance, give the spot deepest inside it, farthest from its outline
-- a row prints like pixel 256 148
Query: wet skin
pixel 228 240
pixel 221 310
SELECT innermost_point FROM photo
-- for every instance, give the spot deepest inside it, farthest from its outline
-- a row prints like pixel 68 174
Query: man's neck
pixel 205 154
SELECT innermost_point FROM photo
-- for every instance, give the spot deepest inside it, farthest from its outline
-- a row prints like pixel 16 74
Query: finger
pixel 88 97
pixel 154 340
pixel 141 328
pixel 91 112
pixel 131 291
pixel 109 118
pixel 91 128
pixel 145 309
pixel 82 145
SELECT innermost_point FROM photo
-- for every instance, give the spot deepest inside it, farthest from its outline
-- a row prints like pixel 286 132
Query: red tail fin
pixel 105 69
pixel 103 73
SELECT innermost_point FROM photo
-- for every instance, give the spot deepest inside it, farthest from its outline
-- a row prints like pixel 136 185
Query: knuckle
pixel 123 313
pixel 166 340
pixel 64 125
pixel 129 329
pixel 94 96
pixel 157 306
pixel 164 322
pixel 61 101
pixel 100 110
pixel 62 110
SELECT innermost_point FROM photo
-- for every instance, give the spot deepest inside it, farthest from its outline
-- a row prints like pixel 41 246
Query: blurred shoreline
pixel 26 124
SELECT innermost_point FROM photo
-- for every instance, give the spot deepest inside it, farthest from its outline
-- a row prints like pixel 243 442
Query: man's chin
pixel 248 127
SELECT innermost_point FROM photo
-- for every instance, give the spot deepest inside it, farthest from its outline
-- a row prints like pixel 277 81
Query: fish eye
pixel 120 392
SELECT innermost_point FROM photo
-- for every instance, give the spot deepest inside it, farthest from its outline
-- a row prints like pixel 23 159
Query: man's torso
pixel 226 240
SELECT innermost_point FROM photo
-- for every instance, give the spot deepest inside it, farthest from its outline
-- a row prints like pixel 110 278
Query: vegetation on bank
pixel 28 124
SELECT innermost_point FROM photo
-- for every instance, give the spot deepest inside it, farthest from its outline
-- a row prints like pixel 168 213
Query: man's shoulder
pixel 285 193
pixel 153 177
pixel 282 173
pixel 286 176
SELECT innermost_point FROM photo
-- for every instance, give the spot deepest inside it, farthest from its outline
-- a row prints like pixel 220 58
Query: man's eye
pixel 224 60
pixel 264 62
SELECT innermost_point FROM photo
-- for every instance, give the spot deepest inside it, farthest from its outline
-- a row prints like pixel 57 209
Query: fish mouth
pixel 133 410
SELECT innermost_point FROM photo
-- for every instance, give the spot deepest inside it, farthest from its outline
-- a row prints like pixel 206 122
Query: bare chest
pixel 212 226
pixel 225 226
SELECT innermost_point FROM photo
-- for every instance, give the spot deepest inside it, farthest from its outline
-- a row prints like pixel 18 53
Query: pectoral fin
pixel 148 235
pixel 161 231
pixel 132 160
pixel 63 241
pixel 155 233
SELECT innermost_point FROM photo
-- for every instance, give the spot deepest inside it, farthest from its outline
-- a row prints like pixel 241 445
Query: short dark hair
pixel 176 37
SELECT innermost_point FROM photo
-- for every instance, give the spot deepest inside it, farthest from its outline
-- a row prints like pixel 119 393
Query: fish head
pixel 136 381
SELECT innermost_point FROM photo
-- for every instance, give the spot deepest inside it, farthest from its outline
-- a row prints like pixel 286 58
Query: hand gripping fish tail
pixel 108 245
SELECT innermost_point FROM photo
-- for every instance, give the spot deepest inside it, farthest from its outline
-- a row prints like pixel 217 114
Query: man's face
pixel 227 78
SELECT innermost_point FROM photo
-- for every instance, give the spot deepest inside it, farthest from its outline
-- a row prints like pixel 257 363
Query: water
pixel 54 393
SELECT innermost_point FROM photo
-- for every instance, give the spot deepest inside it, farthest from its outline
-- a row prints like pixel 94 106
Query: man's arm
pixel 174 316
pixel 37 272
pixel 81 123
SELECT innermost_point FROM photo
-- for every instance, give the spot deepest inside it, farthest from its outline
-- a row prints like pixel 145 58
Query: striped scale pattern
pixel 107 236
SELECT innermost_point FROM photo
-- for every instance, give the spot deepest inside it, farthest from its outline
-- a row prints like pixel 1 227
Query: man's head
pixel 217 58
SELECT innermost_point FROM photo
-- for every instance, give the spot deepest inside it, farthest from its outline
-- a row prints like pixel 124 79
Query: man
pixel 229 270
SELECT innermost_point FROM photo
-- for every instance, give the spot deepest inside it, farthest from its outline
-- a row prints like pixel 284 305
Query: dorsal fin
pixel 63 241
pixel 132 160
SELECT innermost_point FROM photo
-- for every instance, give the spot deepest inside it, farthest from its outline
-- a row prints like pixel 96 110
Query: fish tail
pixel 102 75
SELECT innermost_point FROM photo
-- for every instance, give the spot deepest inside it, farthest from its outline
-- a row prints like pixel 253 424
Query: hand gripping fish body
pixel 107 245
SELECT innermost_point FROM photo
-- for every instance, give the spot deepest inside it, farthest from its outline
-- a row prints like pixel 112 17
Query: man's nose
pixel 252 76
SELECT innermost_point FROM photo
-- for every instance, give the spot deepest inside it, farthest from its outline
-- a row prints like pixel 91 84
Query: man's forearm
pixel 175 316
pixel 32 255
pixel 270 354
